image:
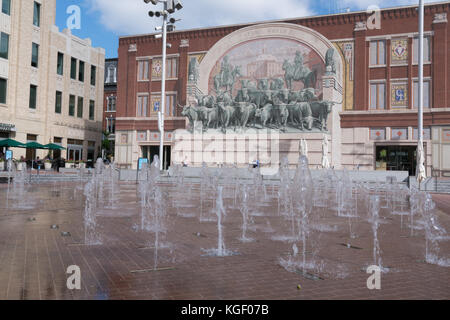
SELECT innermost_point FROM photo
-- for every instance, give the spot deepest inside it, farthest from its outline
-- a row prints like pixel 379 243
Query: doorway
pixel 149 152
pixel 396 158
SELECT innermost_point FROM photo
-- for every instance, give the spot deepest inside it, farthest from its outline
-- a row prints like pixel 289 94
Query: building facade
pixel 368 73
pixel 110 102
pixel 51 88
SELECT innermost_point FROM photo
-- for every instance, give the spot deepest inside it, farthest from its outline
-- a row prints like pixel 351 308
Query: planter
pixel 68 165
pixel 82 165
pixel 48 166
pixel 2 166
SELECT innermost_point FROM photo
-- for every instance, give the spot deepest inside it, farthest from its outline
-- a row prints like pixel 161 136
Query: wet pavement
pixel 39 241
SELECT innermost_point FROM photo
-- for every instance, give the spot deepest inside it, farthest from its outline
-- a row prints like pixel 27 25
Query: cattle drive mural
pixel 250 88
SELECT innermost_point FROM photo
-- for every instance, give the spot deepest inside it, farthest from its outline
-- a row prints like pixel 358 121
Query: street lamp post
pixel 420 154
pixel 169 7
pixel 161 112
pixel 420 93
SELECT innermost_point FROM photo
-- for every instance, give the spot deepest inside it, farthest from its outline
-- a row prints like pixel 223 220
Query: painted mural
pixel 271 83
pixel 266 60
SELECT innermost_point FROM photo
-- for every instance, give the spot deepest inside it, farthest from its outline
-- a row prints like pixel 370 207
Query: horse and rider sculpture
pixel 268 103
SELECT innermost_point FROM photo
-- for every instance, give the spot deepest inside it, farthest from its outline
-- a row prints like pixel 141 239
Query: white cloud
pixel 363 4
pixel 127 17
pixel 130 16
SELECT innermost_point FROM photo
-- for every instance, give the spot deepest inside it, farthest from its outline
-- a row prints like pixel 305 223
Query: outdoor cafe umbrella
pixel 11 143
pixel 34 145
pixel 52 146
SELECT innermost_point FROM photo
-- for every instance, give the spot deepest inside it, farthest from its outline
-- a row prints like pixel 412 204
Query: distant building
pixel 110 101
pixel 374 86
pixel 51 87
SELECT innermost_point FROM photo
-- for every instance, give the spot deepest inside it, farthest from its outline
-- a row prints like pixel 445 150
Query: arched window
pixel 111 74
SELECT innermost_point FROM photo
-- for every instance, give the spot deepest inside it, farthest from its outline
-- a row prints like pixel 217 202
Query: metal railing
pixel 437 175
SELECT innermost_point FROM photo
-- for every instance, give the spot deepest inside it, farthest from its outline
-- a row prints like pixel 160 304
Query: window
pixel 169 108
pixel 111 103
pixel 80 107
pixel 81 72
pixel 143 70
pixel 33 95
pixel 60 64
pixel 93 75
pixel 377 95
pixel 73 68
pixel 426 50
pixel 111 125
pixel 377 53
pixel 426 94
pixel 172 68
pixel 142 106
pixel 170 105
pixel 58 102
pixel 72 105
pixel 3 90
pixel 91 109
pixel 111 75
pixel 6 7
pixel 34 55
pixel 4 45
pixel 37 14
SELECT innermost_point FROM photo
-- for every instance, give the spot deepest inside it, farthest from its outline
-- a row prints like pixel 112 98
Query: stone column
pixel 332 91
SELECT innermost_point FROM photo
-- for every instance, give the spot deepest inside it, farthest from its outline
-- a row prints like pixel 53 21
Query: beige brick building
pixel 51 82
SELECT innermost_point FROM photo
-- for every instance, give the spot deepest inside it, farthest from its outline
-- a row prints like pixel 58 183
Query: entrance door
pixel 149 152
pixel 167 151
pixel 154 150
pixel 396 158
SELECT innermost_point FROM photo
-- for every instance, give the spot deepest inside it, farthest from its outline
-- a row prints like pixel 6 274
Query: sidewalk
pixel 442 202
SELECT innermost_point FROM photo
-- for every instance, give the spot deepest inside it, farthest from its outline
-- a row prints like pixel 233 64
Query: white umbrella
pixel 303 148
pixel 325 162
pixel 420 170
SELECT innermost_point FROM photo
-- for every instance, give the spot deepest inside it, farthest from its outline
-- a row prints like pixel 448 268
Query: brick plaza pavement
pixel 34 257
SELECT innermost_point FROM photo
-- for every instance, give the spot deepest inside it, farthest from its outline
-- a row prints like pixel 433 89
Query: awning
pixel 34 145
pixel 10 143
pixel 53 146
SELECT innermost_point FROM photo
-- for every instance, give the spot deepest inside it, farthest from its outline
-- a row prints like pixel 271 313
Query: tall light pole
pixel 169 7
pixel 420 93
pixel 420 172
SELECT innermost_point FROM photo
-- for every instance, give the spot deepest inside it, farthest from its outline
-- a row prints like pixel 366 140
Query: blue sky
pixel 105 20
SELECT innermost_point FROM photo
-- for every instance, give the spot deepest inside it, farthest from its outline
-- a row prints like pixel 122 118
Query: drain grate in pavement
pixel 65 234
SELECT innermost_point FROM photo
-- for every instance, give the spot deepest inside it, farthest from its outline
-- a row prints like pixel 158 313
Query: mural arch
pixel 271 32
